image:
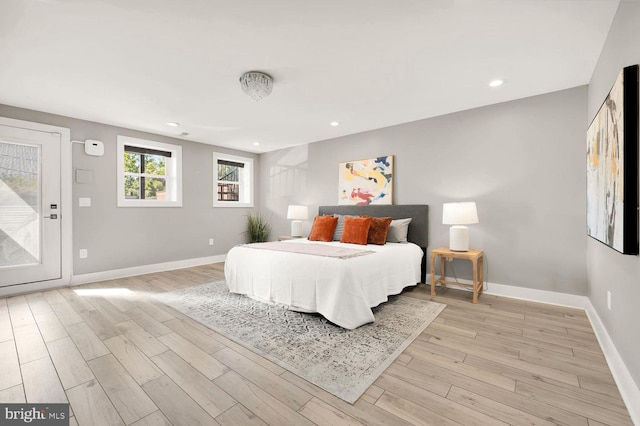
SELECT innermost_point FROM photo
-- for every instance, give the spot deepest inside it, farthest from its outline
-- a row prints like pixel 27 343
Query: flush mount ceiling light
pixel 334 123
pixel 496 83
pixel 256 84
pixel 172 124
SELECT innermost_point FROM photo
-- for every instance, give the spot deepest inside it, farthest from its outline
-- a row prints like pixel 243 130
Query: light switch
pixel 84 202
pixel 83 254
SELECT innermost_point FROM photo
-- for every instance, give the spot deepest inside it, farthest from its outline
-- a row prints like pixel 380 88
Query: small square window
pixel 149 173
pixel 233 181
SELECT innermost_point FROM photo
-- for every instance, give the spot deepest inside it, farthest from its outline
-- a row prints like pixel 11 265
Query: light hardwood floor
pixel 124 358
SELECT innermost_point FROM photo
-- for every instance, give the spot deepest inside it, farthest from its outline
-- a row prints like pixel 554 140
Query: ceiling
pixel 364 63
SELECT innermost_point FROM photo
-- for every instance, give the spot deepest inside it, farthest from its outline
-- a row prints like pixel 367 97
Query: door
pixel 29 206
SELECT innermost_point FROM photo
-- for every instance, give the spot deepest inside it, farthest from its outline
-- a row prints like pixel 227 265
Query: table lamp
pixel 298 214
pixel 459 215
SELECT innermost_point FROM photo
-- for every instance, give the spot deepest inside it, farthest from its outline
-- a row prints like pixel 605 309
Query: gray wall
pixel 608 270
pixel 129 236
pixel 521 161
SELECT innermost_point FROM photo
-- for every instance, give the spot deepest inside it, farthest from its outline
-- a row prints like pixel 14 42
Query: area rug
pixel 342 362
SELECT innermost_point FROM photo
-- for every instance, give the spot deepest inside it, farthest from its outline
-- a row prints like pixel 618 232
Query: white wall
pixel 521 161
pixel 608 270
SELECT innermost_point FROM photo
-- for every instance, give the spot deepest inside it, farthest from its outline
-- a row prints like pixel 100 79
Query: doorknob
pixel 53 216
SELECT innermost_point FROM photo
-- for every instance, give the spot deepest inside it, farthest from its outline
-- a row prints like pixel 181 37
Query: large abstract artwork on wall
pixel 612 167
pixel 366 182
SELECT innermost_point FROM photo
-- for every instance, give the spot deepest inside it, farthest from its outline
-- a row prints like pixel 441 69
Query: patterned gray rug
pixel 343 362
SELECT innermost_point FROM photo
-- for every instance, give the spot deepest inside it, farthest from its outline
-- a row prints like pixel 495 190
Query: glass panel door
pixel 19 205
pixel 29 206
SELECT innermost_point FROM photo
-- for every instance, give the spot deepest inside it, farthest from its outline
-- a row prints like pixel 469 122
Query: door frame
pixel 66 208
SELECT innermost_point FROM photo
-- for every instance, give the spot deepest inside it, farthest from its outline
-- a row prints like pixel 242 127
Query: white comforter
pixel 342 290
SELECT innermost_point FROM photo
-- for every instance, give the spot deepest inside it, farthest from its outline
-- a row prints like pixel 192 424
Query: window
pixel 149 173
pixel 233 181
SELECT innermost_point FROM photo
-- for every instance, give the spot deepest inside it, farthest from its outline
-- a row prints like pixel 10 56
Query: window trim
pixel 246 180
pixel 173 173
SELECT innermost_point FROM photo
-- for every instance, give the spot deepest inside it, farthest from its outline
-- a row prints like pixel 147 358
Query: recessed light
pixel 256 143
pixel 335 123
pixel 172 124
pixel 496 83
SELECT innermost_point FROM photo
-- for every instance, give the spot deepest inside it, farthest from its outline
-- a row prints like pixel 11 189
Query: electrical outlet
pixel 609 299
pixel 84 253
pixel 210 241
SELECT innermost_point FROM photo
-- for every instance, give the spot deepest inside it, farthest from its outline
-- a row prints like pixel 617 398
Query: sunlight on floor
pixel 103 292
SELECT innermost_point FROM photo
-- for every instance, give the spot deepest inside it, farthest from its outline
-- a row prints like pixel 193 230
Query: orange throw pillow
pixel 356 230
pixel 378 230
pixel 323 227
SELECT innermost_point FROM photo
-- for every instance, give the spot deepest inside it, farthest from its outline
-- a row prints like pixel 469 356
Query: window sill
pixel 142 203
pixel 232 204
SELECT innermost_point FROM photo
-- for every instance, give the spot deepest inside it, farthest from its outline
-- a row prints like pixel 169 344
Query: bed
pixel 342 290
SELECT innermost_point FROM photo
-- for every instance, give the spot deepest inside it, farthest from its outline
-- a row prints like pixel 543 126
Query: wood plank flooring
pixel 122 358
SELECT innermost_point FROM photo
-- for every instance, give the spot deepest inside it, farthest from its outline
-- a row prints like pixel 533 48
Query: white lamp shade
pixel 297 212
pixel 459 213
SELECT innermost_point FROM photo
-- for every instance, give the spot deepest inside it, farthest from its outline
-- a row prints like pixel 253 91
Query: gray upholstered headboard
pixel 418 228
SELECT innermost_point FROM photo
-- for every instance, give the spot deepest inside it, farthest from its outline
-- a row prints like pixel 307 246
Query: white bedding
pixel 342 290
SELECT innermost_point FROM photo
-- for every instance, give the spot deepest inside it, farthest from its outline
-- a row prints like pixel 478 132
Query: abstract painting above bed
pixel 365 182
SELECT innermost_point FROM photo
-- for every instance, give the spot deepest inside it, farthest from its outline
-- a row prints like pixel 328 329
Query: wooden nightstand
pixel 287 237
pixel 475 256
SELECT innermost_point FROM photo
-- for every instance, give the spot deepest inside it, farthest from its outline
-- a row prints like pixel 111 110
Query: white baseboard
pixel 535 295
pixel 144 269
pixel 523 293
pixel 629 389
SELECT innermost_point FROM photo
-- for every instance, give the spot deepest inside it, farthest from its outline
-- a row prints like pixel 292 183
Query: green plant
pixel 258 228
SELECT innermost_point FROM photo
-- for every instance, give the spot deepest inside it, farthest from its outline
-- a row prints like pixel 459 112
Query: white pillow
pixel 398 230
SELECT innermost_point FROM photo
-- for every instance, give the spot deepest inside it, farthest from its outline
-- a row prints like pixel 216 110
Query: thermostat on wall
pixel 93 147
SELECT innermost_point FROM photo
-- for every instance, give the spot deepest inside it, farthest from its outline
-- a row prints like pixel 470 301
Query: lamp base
pixel 459 238
pixel 296 228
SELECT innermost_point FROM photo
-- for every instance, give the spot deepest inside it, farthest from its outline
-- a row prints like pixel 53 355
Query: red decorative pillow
pixel 356 230
pixel 378 230
pixel 323 227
